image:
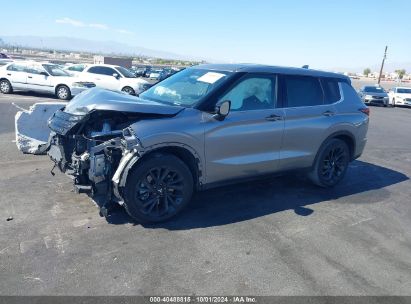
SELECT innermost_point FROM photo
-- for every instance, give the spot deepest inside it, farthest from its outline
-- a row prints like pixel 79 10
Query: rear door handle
pixel 8 74
pixel 273 117
pixel 29 76
pixel 328 113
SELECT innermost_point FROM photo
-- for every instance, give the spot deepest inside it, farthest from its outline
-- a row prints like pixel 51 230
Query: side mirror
pixel 115 75
pixel 44 74
pixel 222 109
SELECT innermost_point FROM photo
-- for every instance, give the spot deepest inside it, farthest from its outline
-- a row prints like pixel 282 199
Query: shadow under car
pixel 245 201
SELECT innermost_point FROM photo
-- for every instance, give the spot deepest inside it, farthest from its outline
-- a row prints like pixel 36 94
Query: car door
pixel 308 118
pixel 17 75
pixel 248 141
pixel 39 80
pixel 103 77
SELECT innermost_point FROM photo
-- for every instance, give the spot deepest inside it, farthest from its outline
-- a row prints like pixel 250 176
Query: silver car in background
pixel 375 95
pixel 206 126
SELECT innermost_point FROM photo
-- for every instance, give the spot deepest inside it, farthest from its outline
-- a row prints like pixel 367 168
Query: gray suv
pixel 206 126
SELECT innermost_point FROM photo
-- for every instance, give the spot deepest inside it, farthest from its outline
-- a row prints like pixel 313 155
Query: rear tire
pixel 5 86
pixel 331 163
pixel 158 188
pixel 63 92
pixel 128 90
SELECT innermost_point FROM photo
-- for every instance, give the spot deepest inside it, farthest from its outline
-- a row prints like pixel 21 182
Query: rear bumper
pixel 359 149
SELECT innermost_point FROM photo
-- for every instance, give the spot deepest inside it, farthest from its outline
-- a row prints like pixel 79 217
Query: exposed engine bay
pixel 95 145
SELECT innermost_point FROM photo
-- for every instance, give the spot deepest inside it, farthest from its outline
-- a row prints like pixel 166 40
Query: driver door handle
pixel 273 117
pixel 329 113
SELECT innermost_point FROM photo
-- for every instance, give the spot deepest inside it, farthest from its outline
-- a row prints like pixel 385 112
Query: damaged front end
pixel 91 141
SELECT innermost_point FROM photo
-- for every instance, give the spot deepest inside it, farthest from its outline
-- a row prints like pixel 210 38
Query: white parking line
pixel 25 99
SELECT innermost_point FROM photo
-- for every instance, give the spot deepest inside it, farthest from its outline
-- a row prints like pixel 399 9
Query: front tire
pixel 63 92
pixel 128 90
pixel 331 163
pixel 158 188
pixel 5 86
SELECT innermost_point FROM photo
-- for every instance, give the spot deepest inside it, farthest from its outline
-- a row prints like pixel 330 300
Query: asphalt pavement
pixel 281 236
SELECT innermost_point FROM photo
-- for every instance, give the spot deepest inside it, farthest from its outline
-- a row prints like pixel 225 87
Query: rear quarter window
pixel 17 68
pixel 331 90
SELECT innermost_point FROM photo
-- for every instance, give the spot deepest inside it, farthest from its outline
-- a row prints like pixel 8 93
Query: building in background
pixel 124 62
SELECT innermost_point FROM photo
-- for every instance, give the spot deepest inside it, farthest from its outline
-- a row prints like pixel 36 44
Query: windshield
pixel 125 72
pixel 186 88
pixel 404 91
pixel 55 70
pixel 374 89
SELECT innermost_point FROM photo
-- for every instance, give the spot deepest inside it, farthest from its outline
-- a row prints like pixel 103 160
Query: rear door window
pixel 303 91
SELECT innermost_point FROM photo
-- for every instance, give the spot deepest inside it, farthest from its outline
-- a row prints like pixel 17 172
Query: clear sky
pixel 322 33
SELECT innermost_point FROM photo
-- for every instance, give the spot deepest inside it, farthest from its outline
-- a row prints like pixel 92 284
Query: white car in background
pixel 400 96
pixel 40 77
pixel 154 74
pixel 110 77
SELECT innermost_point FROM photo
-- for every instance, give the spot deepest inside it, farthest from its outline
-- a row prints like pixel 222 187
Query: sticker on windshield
pixel 210 77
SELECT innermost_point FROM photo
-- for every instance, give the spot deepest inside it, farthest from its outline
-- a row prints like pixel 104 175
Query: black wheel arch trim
pixel 198 177
pixel 338 135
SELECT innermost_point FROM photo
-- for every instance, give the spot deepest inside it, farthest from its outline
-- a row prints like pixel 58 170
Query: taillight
pixel 366 111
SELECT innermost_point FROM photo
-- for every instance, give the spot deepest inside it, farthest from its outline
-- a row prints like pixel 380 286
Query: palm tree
pixel 400 73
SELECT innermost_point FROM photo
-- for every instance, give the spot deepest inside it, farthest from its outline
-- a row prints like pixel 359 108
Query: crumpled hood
pixel 100 99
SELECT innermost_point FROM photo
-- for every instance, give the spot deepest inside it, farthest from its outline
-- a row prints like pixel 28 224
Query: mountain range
pixel 90 46
pixel 117 48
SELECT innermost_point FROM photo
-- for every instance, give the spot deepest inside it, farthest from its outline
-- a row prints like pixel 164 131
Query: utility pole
pixel 382 63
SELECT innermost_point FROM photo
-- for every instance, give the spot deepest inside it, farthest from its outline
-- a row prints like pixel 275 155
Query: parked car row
pixel 40 77
pixel 376 95
pixel 154 73
pixel 68 81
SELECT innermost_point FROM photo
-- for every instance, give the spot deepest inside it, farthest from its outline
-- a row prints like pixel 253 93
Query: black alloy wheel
pixel 158 189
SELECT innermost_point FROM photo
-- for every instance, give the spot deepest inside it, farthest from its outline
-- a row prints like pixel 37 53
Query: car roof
pixel 32 62
pixel 103 64
pixel 259 68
